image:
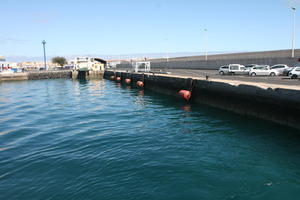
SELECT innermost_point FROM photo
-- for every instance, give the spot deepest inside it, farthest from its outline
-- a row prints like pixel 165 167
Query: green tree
pixel 59 60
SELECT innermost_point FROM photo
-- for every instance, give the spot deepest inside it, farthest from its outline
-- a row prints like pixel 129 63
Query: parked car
pixel 250 66
pixel 281 69
pixel 238 69
pixel 287 71
pixel 263 70
pixel 224 70
pixel 291 68
pixel 295 73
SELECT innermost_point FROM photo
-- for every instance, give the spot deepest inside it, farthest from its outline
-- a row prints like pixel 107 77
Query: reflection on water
pixel 187 108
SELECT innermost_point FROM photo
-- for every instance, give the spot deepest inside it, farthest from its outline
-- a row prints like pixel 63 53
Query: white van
pixel 238 69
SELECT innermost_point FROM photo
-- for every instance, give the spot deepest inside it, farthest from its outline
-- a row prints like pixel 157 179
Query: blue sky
pixel 115 27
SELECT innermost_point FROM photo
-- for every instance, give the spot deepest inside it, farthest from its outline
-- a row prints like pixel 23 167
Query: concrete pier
pixel 272 102
pixel 35 75
pixel 87 74
pixel 14 77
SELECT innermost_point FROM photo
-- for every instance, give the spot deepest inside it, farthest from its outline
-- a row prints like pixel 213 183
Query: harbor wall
pixel 215 61
pixel 14 77
pixel 51 75
pixel 87 74
pixel 278 105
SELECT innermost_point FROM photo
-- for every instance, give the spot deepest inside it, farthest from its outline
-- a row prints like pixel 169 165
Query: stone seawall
pixel 49 75
pixel 273 103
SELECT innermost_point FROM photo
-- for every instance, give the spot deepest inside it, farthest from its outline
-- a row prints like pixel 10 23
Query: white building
pixel 89 64
pixel 4 65
pixel 2 58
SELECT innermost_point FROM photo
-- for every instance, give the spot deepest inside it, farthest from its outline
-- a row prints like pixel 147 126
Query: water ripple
pixel 64 139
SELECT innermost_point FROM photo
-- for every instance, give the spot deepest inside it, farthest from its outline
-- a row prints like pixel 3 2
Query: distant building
pixel 113 63
pixel 8 65
pixel 4 65
pixel 2 58
pixel 33 66
pixel 89 64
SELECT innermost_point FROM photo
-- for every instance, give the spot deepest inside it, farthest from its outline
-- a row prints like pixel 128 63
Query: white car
pixel 281 69
pixel 250 66
pixel 238 69
pixel 263 70
pixel 295 73
pixel 224 69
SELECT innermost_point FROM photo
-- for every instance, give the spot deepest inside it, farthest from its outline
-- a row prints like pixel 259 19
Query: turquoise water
pixel 64 139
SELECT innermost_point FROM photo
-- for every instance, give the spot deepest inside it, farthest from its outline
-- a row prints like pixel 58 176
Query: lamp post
pixel 294 32
pixel 205 43
pixel 44 43
pixel 167 52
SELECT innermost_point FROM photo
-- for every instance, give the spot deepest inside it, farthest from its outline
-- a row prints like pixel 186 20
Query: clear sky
pixel 112 27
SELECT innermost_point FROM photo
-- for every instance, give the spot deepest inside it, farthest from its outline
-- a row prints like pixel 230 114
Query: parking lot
pixel 282 80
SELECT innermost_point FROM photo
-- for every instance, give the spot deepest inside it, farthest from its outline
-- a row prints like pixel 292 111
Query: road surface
pixel 281 80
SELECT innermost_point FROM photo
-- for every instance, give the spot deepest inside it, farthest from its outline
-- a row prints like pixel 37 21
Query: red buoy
pixel 186 94
pixel 118 78
pixel 127 81
pixel 140 83
pixel 112 77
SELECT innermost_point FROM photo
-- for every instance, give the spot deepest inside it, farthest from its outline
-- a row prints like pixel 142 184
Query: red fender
pixel 186 94
pixel 140 83
pixel 127 80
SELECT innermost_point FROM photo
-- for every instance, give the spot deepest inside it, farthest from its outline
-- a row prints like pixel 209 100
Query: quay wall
pixel 278 105
pixel 51 75
pixel 87 74
pixel 14 77
pixel 215 61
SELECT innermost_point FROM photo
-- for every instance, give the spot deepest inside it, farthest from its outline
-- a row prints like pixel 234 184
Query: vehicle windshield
pixel 260 67
pixel 250 66
pixel 263 66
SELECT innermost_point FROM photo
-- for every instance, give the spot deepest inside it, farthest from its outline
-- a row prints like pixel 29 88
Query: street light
pixel 294 32
pixel 205 43
pixel 44 42
pixel 167 52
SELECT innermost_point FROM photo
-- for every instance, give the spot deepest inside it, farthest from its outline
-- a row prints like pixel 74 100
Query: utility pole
pixel 167 52
pixel 205 43
pixel 44 43
pixel 294 32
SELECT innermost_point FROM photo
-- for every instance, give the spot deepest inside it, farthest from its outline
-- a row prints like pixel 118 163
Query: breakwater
pixel 51 75
pixel 276 103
